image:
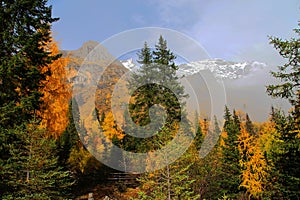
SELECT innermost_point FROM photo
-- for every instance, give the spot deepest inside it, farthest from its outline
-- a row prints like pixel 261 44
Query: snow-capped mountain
pixel 220 68
pixel 129 64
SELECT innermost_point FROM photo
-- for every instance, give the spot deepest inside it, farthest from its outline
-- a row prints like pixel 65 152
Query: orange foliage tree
pixel 56 94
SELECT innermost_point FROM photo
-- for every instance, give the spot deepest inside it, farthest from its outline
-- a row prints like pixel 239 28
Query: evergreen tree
pixel 155 83
pixel 145 55
pixel 24 61
pixel 73 155
pixel 23 54
pixel 174 181
pixel 230 160
pixel 160 86
pixel 285 154
pixel 199 137
pixel 249 126
pixel 285 158
pixel 236 120
pixel 206 170
pixel 33 171
pixel 217 129
pixel 289 73
pixel 69 138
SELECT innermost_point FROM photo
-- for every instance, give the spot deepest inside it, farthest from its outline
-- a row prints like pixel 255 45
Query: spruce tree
pixel 199 137
pixel 285 155
pixel 230 160
pixel 145 55
pixel 249 126
pixel 33 171
pixel 25 29
pixel 24 57
pixel 155 83
pixel 69 138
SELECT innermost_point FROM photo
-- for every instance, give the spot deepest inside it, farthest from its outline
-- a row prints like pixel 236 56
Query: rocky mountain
pixel 91 64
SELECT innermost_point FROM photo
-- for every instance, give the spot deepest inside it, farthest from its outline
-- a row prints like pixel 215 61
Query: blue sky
pixel 234 30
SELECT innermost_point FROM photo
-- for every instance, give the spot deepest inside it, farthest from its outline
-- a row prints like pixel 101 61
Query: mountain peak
pixel 87 48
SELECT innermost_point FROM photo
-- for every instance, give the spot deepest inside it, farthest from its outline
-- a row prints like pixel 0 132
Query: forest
pixel 42 156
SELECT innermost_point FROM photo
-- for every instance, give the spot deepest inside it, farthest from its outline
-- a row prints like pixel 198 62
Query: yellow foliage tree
pixel 56 94
pixel 110 128
pixel 253 164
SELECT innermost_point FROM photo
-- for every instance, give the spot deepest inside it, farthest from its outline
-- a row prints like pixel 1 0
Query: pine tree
pixel 285 158
pixel 206 170
pixel 174 181
pixel 199 137
pixel 69 138
pixel 286 154
pixel 155 83
pixel 32 171
pixel 72 153
pixel 289 73
pixel 249 125
pixel 217 129
pixel 230 160
pixel 145 55
pixel 157 75
pixel 22 57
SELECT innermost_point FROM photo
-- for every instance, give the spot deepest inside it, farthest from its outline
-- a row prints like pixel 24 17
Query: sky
pixel 235 30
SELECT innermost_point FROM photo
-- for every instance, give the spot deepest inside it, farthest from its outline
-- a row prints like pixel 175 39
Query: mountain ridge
pixel 220 68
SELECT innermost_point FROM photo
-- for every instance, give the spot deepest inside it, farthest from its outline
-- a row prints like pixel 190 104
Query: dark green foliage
pixel 231 156
pixel 199 137
pixel 24 31
pixel 249 126
pixel 289 73
pixel 33 171
pixel 24 35
pixel 206 170
pixel 69 138
pixel 285 155
pixel 155 83
pixel 145 56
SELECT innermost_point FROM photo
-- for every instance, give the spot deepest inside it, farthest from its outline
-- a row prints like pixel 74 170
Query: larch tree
pixel 253 164
pixel 110 128
pixel 56 94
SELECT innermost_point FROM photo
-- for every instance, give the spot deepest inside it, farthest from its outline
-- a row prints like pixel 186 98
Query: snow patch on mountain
pixel 129 64
pixel 220 68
